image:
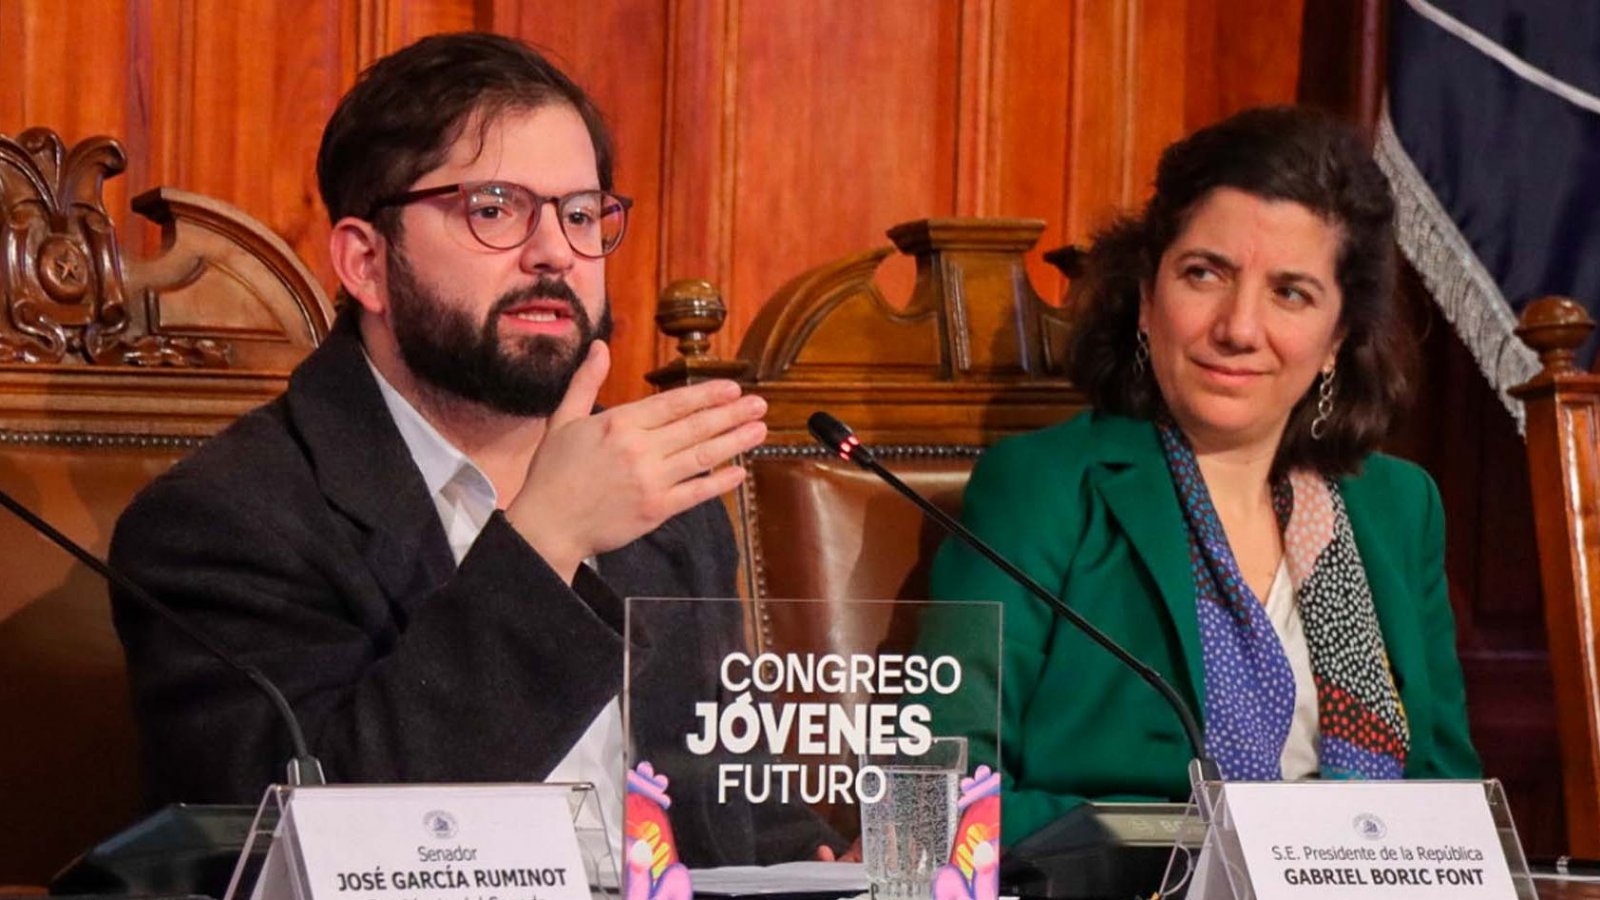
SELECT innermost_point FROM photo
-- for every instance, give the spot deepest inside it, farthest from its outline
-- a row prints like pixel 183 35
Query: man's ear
pixel 357 251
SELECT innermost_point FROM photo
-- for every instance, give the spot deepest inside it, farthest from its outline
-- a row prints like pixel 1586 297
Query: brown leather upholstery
pixel 109 373
pixel 818 527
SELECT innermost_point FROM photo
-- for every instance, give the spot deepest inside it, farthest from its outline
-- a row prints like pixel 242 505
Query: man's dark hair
pixel 1276 153
pixel 407 109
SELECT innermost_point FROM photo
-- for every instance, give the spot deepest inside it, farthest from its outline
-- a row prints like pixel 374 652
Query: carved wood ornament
pixel 971 355
pixel 97 345
pixel 66 301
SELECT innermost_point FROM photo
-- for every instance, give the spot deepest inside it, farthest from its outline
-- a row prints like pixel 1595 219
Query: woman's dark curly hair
pixel 1276 153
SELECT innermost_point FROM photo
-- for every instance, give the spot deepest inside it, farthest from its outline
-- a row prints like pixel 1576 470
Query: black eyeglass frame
pixel 539 201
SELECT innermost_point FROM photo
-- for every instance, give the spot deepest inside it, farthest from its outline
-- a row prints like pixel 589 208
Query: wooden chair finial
pixel 1554 327
pixel 692 310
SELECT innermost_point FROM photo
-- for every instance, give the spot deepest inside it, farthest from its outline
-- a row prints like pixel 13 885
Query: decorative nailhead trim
pixel 140 441
pixel 882 451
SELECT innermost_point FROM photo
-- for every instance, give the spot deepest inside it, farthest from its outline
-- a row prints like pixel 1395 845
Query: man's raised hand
pixel 601 480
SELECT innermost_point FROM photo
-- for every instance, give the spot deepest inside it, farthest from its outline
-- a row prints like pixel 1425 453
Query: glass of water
pixel 908 816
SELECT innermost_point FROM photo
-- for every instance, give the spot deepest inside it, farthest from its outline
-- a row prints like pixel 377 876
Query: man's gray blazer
pixel 304 540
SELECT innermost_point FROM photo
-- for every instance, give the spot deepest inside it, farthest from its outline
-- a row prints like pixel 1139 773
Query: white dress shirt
pixel 1299 759
pixel 465 499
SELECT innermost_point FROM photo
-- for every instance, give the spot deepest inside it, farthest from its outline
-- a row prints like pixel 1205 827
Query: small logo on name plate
pixel 1369 826
pixel 440 824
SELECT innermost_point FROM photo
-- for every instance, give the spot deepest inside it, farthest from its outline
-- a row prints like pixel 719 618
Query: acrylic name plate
pixel 833 721
pixel 1367 839
pixel 405 842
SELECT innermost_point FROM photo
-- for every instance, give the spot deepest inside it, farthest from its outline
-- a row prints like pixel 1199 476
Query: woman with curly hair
pixel 1221 510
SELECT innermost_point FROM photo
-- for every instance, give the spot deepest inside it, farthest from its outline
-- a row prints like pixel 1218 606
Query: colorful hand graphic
pixel 974 869
pixel 654 872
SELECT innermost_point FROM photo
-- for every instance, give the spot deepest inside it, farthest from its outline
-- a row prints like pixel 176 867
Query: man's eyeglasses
pixel 503 215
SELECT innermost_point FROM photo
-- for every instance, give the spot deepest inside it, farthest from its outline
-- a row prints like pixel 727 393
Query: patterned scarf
pixel 1249 687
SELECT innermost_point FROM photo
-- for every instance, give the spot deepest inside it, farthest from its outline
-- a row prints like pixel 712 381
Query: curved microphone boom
pixel 304 769
pixel 837 437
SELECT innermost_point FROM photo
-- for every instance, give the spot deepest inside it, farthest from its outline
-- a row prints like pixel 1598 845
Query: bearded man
pixel 424 541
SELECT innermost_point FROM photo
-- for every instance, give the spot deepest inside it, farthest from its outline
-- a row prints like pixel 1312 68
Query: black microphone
pixel 304 769
pixel 837 437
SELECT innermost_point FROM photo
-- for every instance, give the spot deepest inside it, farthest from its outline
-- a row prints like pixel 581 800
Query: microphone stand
pixel 303 769
pixel 837 436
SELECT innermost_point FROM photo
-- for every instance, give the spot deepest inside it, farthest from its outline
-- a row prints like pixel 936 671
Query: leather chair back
pixel 971 356
pixel 818 527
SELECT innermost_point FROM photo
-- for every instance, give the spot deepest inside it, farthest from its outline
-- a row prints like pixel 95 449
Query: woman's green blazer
pixel 1088 509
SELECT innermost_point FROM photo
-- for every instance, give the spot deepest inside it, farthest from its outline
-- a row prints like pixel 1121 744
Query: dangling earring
pixel 1141 352
pixel 1319 425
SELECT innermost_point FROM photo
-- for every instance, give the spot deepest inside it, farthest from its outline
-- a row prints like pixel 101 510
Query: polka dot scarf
pixel 1249 688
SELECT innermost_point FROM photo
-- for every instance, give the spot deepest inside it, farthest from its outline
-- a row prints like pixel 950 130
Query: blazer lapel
pixel 1137 488
pixel 1397 614
pixel 365 469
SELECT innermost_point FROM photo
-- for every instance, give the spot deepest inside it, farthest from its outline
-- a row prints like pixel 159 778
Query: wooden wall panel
pixel 844 125
pixel 1246 52
pixel 1160 92
pixel 40 38
pixel 1024 117
pixel 758 136
pixel 1101 117
pixel 384 25
pixel 250 138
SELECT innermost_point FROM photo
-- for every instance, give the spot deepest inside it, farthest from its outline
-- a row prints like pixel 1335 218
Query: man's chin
pixel 547 351
pixel 529 386
pixel 529 376
pixel 523 394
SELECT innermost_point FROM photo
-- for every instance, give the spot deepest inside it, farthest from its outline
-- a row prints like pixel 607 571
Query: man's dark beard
pixel 445 348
